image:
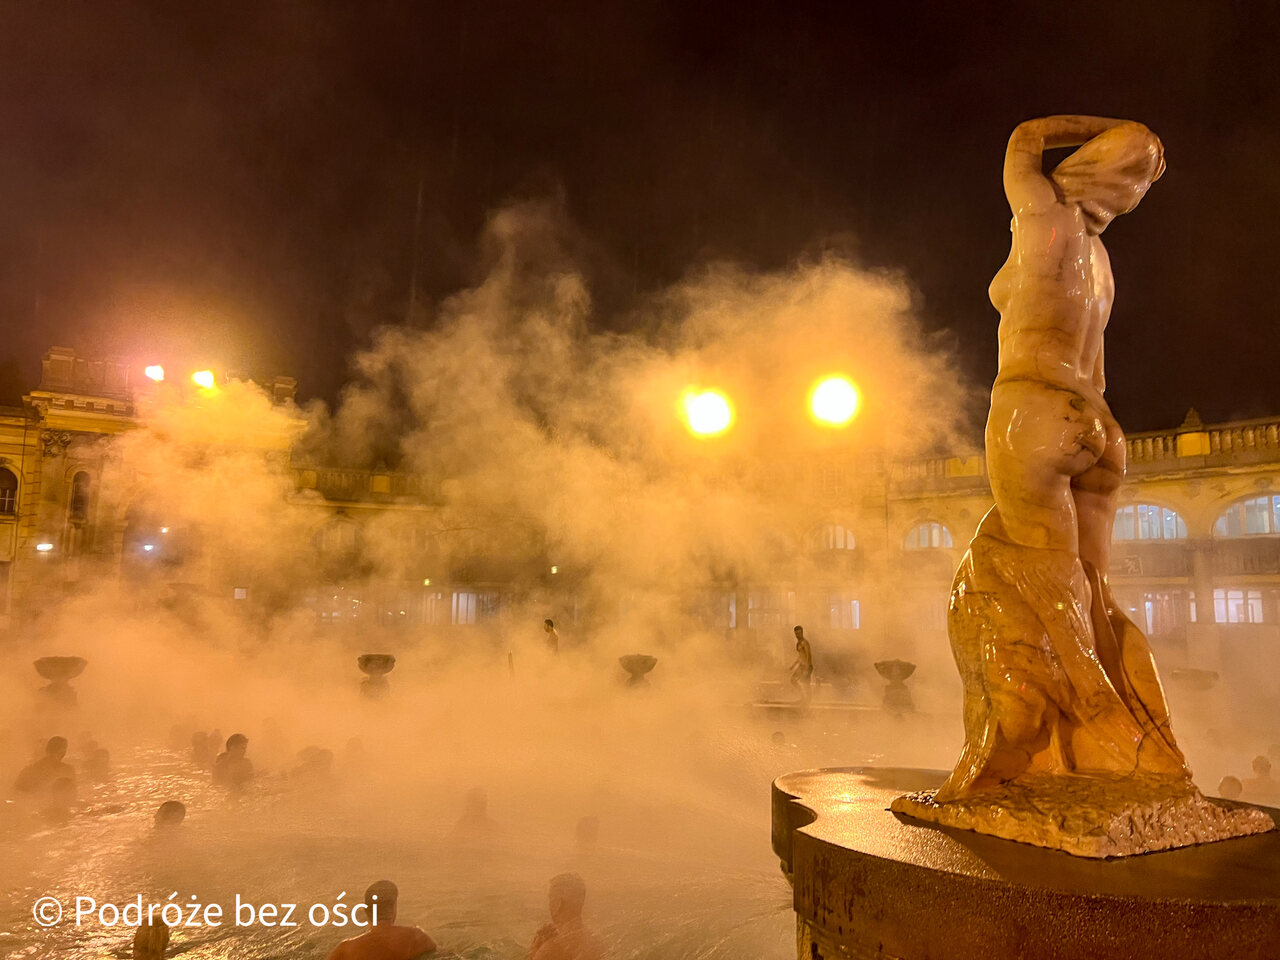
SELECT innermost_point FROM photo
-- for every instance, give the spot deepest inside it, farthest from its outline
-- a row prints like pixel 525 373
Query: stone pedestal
pixel 871 884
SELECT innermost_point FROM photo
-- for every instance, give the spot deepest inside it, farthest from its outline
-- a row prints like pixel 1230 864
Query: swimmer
pixel 232 768
pixel 566 937
pixel 171 814
pixel 151 941
pixel 475 825
pixel 386 940
pixel 39 776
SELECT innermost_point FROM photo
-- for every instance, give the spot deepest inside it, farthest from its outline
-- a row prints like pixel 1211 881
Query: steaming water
pixel 683 868
pixel 712 903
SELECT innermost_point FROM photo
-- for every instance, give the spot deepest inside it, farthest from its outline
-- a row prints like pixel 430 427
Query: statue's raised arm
pixel 1025 181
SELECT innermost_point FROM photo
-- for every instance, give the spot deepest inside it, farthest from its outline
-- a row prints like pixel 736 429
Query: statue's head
pixel 56 748
pixel 1111 173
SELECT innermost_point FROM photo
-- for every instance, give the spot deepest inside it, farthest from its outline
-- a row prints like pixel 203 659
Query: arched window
pixel 8 492
pixel 1251 517
pixel 1146 521
pixel 831 536
pixel 79 510
pixel 929 535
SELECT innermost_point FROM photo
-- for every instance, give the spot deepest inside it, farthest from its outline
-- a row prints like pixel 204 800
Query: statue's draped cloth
pixel 1056 679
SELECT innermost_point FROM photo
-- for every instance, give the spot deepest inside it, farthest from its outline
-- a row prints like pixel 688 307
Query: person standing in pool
pixel 552 638
pixel 802 668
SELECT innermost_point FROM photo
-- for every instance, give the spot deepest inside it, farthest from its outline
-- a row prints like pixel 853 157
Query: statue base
pixel 1093 817
pixel 869 883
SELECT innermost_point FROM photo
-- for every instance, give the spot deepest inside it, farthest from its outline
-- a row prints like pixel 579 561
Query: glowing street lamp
pixel 44 547
pixel 203 378
pixel 707 413
pixel 834 401
pixel 154 372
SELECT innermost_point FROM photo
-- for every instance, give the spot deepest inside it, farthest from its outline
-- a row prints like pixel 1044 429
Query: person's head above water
pixel 237 743
pixel 1230 788
pixel 548 625
pixel 384 895
pixel 1108 175
pixel 151 941
pixel 477 801
pixel 1261 767
pixel 566 896
pixel 170 814
pixel 56 748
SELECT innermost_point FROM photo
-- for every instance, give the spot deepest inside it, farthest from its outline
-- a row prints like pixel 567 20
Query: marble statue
pixel 1068 741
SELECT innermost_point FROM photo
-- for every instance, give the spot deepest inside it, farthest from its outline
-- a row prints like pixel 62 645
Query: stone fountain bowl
pixel 638 664
pixel 376 664
pixel 895 670
pixel 60 668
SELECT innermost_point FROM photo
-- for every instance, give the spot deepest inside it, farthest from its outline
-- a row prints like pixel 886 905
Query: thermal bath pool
pixel 683 866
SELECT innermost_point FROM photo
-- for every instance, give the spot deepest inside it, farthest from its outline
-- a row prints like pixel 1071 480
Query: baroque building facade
pixel 1196 558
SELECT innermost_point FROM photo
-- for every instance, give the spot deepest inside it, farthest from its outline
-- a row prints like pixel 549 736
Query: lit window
pixel 1159 612
pixel 832 536
pixel 1248 518
pixel 846 611
pixel 1237 606
pixel 1147 521
pixel 769 608
pixel 8 492
pixel 464 608
pixel 929 535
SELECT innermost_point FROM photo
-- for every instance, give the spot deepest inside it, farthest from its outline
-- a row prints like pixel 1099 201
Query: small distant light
pixel 164 529
pixel 203 378
pixel 555 569
pixel 148 547
pixel 240 593
pixel 155 372
pixel 44 547
pixel 426 582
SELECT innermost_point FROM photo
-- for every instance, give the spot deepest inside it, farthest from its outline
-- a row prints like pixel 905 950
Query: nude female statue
pixel 1057 680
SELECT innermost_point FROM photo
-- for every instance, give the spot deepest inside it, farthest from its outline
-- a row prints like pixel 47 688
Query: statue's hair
pixel 1109 174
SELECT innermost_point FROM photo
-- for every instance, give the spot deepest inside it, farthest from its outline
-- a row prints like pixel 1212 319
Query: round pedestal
pixel 871 884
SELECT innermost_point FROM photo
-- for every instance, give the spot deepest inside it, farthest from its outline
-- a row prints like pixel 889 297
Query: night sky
pixel 236 183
